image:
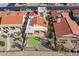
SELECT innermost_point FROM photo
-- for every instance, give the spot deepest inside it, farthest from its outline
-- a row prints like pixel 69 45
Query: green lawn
pixel 34 42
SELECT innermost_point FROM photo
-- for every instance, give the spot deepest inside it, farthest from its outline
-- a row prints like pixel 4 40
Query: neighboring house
pixel 11 21
pixel 66 26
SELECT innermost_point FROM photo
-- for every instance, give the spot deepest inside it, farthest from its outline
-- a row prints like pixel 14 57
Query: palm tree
pixel 51 31
pixel 24 26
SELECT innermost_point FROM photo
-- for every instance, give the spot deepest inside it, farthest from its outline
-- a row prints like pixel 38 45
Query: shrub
pixel 60 47
pixel 4 36
pixel 2 43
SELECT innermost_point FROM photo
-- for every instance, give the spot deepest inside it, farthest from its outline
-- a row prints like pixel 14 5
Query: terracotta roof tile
pixel 66 26
pixel 39 21
pixel 73 26
pixel 12 18
pixel 62 28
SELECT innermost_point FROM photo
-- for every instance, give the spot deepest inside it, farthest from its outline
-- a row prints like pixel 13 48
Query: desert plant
pixel 60 47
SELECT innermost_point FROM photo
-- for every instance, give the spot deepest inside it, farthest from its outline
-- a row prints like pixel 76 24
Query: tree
pixel 24 26
pixel 51 32
pixel 74 18
pixel 71 15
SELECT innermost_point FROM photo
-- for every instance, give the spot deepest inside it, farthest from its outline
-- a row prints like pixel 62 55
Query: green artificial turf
pixel 34 42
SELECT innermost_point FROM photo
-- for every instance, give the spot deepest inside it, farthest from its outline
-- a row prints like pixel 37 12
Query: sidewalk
pixel 37 53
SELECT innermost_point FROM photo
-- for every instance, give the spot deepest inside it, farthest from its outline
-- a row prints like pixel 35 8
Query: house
pixel 36 25
pixel 11 21
pixel 64 25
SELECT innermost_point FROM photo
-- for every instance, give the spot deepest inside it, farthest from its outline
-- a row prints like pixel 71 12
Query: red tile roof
pixel 66 26
pixel 12 20
pixel 11 17
pixel 62 28
pixel 73 25
pixel 39 21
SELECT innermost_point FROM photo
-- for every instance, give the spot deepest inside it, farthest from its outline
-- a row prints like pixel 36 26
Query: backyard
pixel 38 44
pixel 34 42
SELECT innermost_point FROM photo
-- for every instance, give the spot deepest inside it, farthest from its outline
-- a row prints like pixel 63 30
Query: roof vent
pixel 8 13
